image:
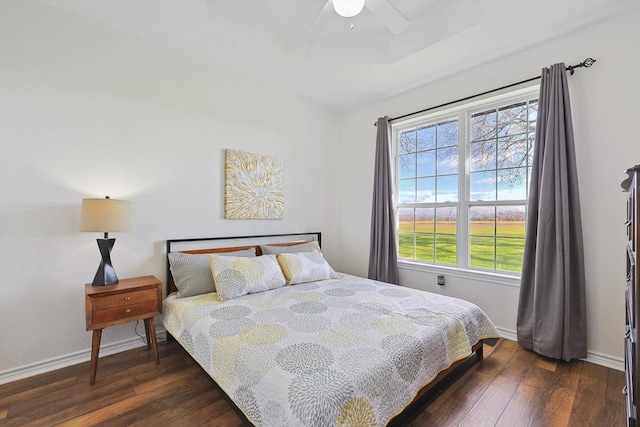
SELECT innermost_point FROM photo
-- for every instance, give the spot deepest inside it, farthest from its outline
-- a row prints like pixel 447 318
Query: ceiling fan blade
pixel 319 22
pixel 389 15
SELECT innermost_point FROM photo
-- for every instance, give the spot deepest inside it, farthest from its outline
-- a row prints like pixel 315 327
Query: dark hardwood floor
pixel 510 387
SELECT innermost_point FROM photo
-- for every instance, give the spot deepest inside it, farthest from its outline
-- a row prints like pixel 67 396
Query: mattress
pixel 347 351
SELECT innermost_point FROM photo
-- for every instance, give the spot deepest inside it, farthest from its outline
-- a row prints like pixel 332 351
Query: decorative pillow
pixel 236 276
pixel 304 267
pixel 192 272
pixel 302 247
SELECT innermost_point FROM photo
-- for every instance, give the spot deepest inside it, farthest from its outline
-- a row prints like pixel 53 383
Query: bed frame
pixel 221 244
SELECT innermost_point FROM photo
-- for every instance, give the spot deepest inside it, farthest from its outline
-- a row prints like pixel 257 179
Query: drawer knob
pixel 127 298
pixel 127 311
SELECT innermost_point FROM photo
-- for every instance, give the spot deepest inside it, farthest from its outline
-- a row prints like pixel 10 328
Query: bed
pixel 321 349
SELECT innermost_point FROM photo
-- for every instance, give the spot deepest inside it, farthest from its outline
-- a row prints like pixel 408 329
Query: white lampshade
pixel 348 8
pixel 105 215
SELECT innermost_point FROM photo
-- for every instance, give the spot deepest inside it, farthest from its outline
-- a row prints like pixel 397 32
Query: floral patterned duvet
pixel 345 352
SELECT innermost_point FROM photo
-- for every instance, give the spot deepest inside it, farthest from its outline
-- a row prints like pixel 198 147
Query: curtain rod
pixel 571 68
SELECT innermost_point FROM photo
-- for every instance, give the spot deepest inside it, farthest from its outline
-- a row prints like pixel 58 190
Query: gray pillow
pixel 192 272
pixel 302 247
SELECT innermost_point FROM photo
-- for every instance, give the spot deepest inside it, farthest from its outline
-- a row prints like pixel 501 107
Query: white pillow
pixel 300 247
pixel 237 276
pixel 304 267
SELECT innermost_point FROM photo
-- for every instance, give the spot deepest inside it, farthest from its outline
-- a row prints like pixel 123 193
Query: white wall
pixel 86 112
pixel 606 114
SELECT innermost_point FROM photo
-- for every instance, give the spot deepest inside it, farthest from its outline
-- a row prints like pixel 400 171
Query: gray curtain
pixel 383 256
pixel 552 317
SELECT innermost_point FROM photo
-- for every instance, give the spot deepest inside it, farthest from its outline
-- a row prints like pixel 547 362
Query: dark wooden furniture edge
pixel 631 390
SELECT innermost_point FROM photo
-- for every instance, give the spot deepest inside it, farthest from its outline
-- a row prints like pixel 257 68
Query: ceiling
pixel 343 68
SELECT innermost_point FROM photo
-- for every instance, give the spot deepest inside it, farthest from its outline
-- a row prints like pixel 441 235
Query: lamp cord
pixel 143 337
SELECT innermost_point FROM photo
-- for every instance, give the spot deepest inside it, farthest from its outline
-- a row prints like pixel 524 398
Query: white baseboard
pixel 508 334
pixel 52 364
pixel 592 356
pixel 605 360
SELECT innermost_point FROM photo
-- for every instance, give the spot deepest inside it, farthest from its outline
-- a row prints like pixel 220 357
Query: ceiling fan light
pixel 348 8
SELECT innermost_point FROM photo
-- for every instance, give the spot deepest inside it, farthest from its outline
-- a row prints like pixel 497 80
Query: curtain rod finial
pixel 586 64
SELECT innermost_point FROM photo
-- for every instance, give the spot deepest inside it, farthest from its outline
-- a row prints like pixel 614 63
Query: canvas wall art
pixel 254 186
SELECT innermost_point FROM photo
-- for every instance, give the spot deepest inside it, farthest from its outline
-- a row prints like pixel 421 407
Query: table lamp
pixel 105 215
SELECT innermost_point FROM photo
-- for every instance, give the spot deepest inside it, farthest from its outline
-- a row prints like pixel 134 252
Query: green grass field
pixel 497 245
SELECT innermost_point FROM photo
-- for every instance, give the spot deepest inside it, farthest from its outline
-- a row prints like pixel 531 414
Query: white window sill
pixel 484 276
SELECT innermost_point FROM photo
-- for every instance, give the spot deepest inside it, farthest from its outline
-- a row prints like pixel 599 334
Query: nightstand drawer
pixel 124 299
pixel 124 311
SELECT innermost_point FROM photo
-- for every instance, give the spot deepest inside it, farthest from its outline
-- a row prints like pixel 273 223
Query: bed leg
pixel 480 353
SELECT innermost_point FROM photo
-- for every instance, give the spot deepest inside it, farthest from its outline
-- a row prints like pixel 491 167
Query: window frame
pixel 462 112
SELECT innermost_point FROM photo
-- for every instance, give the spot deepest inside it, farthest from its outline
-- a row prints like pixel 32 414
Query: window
pixel 462 184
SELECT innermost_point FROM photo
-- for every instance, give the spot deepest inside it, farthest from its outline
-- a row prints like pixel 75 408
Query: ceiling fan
pixel 382 9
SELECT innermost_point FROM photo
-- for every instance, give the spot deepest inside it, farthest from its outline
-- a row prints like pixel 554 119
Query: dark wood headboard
pixel 209 245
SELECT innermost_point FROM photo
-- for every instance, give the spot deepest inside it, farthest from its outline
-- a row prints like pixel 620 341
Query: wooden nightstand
pixel 138 298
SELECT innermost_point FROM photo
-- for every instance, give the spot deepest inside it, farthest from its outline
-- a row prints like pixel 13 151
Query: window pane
pixel 425 220
pixel 533 111
pixel 407 143
pixel 446 249
pixel 483 126
pixel 512 120
pixel 446 220
pixel 482 220
pixel 512 151
pixel 483 186
pixel 407 166
pixel 510 253
pixel 426 190
pixel 427 138
pixel 424 247
pixel 447 160
pixel 427 163
pixel 511 221
pixel 405 245
pixel 482 252
pixel 405 219
pixel 448 134
pixel 447 189
pixel 407 192
pixel 512 184
pixel 532 137
pixel 483 156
